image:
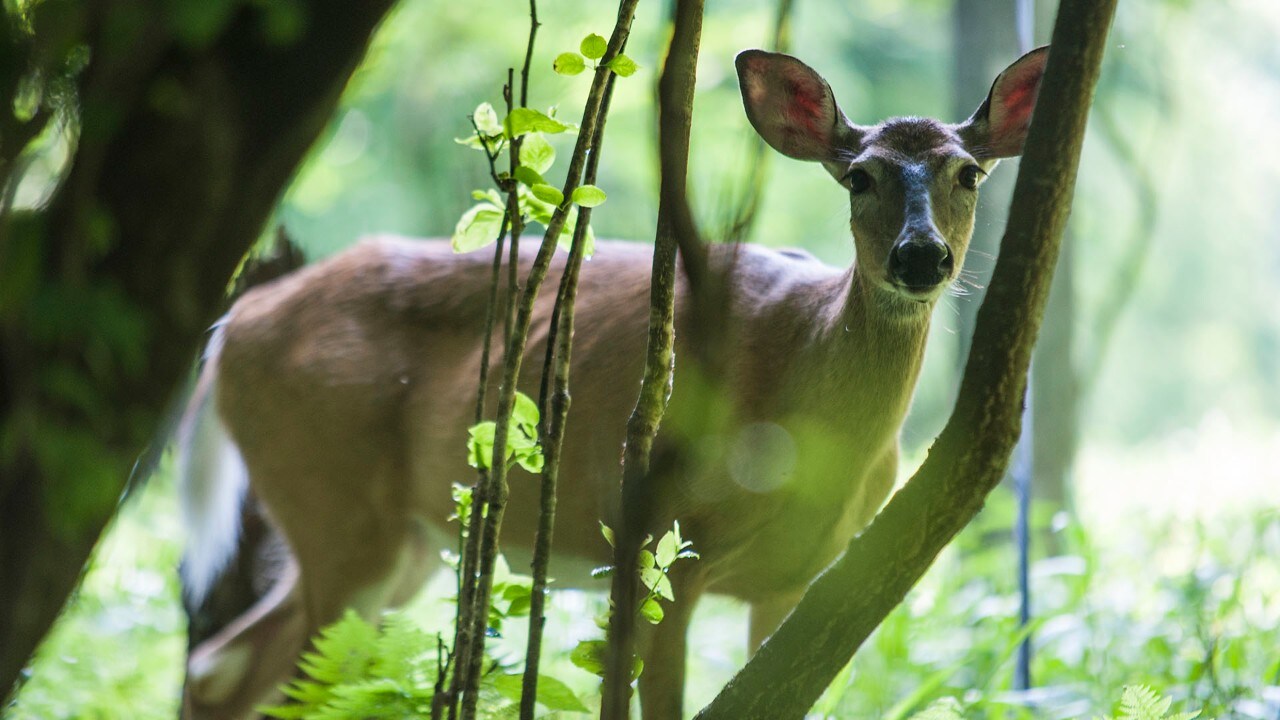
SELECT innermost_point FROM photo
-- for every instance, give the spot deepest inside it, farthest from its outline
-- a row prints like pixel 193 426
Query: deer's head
pixel 912 182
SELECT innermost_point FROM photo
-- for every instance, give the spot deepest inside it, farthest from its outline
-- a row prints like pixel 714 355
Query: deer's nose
pixel 921 263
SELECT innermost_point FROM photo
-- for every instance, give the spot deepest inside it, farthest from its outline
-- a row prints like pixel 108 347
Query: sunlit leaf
pixel 594 46
pixel 588 196
pixel 568 63
pixel 477 228
pixel 526 120
pixel 623 66
pixel 536 153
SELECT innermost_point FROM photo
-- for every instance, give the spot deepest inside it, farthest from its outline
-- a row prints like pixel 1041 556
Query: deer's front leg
pixel 662 682
pixel 767 615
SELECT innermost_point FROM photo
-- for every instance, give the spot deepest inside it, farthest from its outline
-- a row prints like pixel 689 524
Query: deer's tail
pixel 212 479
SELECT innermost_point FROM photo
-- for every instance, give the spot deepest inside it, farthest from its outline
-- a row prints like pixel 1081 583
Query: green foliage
pixel 522 438
pixel 588 196
pixel 1139 702
pixel 568 63
pixel 942 709
pixel 652 567
pixel 389 671
pixel 593 47
pixel 623 65
pixel 536 199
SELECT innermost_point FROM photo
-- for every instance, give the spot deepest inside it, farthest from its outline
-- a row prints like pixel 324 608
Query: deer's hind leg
pixel 353 545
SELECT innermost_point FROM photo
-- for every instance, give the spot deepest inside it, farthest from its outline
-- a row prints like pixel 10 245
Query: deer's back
pixel 378 350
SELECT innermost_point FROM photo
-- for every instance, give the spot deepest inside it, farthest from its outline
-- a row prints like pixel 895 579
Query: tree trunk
pixel 187 135
pixel 848 601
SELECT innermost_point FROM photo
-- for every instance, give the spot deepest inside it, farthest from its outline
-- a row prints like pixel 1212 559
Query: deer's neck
pixel 864 360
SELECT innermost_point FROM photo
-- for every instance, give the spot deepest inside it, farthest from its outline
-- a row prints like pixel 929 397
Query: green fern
pixel 359 670
pixel 1140 702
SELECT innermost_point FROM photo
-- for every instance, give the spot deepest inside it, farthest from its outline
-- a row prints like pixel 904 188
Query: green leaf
pixel 668 546
pixel 480 444
pixel 651 611
pixel 623 65
pixel 552 694
pixel 603 571
pixel 594 46
pixel 547 193
pixel 522 121
pixel 608 534
pixel 589 655
pixel 536 153
pixel 533 462
pixel 568 63
pixel 477 228
pixel 525 411
pixel 487 119
pixel 529 176
pixel 588 196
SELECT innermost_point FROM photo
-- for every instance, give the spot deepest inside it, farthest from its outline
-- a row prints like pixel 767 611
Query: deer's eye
pixel 859 181
pixel 969 176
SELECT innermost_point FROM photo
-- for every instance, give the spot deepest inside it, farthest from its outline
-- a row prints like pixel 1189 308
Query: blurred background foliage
pixel 1159 390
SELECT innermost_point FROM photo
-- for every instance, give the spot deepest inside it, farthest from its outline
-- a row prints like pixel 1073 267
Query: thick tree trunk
pixel 847 602
pixel 186 140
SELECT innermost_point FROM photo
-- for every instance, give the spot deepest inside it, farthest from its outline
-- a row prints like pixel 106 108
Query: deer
pixel 341 395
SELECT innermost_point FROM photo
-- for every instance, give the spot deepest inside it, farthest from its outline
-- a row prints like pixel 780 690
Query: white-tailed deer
pixel 342 394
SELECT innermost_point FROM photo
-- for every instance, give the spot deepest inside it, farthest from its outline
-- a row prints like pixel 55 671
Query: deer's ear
pixel 792 107
pixel 999 127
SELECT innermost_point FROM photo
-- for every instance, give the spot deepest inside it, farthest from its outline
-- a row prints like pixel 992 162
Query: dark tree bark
pixel 187 136
pixel 848 601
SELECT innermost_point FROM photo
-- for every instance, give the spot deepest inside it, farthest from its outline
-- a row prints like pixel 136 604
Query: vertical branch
pixel 848 601
pixel 675 228
pixel 556 367
pixel 496 490
pixel 469 537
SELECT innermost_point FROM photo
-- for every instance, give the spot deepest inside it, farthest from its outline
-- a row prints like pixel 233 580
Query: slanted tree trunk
pixel 192 115
pixel 848 601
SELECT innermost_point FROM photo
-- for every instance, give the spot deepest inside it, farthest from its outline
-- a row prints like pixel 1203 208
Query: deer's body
pixel 348 388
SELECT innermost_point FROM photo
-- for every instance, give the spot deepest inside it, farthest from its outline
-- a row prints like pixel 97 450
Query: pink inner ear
pixel 806 106
pixel 1018 99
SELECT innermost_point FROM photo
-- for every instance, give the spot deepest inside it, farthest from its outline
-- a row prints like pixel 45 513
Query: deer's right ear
pixel 792 107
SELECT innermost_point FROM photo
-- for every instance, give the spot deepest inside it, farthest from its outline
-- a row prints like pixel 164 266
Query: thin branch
pixel 559 347
pixel 848 601
pixel 675 228
pixel 514 355
pixel 470 537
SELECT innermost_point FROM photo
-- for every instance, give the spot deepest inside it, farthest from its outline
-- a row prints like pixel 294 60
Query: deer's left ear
pixel 998 128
